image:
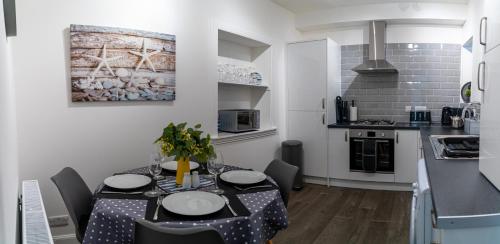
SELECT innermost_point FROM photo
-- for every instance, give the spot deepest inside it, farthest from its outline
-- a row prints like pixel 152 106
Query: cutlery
pixel 251 187
pixel 229 206
pixel 99 189
pixel 158 203
pixel 122 192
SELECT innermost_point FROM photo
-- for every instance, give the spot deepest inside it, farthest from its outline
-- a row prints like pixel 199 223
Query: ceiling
pixel 302 6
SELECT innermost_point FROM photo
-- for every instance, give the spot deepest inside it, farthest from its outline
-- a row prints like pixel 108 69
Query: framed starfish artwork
pixel 117 64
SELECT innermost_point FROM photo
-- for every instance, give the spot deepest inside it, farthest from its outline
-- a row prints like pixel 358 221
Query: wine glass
pixel 155 171
pixel 215 167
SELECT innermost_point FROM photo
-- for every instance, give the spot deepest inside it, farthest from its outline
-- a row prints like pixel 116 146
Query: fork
pixel 158 203
pixel 251 187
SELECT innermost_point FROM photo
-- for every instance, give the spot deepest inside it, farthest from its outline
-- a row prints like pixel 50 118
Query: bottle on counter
pixel 195 179
pixel 353 113
pixel 186 182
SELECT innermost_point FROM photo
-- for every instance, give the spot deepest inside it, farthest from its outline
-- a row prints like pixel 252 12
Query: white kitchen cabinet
pixel 307 75
pixel 338 153
pixel 303 126
pixel 476 13
pixel 313 75
pixel 490 119
pixel 492 25
pixel 406 156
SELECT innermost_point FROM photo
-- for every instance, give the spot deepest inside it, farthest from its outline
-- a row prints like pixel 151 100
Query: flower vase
pixel 182 167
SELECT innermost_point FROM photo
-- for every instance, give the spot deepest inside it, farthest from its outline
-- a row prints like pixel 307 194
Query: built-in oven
pixel 371 151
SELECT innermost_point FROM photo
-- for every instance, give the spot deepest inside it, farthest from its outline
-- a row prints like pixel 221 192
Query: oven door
pixel 248 120
pixel 384 151
pixel 362 155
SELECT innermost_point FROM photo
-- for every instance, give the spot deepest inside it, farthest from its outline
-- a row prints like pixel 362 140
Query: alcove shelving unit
pixel 243 50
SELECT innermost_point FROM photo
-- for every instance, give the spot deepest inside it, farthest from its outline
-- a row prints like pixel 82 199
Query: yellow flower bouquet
pixel 184 143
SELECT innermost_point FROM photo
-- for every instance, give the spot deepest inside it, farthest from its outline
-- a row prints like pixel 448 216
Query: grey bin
pixel 293 153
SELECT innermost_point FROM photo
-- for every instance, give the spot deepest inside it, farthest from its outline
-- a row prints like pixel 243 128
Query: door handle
pixel 485 21
pixel 323 118
pixel 480 74
pixel 323 103
pixel 397 137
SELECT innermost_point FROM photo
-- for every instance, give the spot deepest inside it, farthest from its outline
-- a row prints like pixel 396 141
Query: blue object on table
pixel 169 185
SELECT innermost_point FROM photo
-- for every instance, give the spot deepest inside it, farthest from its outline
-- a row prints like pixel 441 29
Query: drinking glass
pixel 216 167
pixel 155 171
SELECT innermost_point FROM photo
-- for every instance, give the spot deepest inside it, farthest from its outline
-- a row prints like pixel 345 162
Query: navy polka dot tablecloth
pixel 113 220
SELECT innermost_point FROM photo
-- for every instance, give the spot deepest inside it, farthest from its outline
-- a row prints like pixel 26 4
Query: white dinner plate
pixel 127 181
pixel 193 203
pixel 172 165
pixel 243 177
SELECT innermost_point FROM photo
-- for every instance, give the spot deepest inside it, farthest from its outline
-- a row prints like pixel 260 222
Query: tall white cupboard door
pixel 307 126
pixel 489 163
pixel 406 156
pixel 338 153
pixel 307 75
pixel 492 13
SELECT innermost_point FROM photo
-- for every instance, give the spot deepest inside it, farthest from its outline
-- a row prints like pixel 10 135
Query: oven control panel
pixel 368 133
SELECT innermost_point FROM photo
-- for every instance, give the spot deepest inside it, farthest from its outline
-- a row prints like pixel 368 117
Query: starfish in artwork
pixel 103 61
pixel 145 56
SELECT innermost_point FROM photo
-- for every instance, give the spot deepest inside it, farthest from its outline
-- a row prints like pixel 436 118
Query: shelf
pixel 241 39
pixel 243 85
pixel 224 137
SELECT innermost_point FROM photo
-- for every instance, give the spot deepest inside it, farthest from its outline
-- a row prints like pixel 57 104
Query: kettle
pixel 456 122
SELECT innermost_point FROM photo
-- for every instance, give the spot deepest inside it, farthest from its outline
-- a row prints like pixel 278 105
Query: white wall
pixel 101 138
pixel 8 143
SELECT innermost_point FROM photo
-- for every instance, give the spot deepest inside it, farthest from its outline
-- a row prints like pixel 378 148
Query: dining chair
pixel 76 196
pixel 284 175
pixel 148 233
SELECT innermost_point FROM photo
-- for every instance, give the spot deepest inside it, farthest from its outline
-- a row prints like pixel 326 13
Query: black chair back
pixel 77 198
pixel 284 175
pixel 149 233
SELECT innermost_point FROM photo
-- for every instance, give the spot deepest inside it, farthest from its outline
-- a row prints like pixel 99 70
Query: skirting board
pixel 359 184
pixel 65 239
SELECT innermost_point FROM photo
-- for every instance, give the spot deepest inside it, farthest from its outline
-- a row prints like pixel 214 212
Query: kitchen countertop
pixel 397 126
pixel 462 196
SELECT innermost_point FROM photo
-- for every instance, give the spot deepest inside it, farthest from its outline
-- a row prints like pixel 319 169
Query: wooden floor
pixel 318 214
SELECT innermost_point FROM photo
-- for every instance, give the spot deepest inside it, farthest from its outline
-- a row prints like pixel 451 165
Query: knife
pixel 229 206
pixel 121 192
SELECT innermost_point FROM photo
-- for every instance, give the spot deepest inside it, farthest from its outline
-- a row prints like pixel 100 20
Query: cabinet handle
pixel 345 136
pixel 480 74
pixel 485 21
pixel 397 137
pixel 323 118
pixel 323 103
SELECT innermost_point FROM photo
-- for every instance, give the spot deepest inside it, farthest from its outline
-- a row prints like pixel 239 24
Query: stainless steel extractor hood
pixel 376 62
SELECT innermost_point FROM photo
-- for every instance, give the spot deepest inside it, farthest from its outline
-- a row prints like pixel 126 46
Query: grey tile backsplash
pixel 429 75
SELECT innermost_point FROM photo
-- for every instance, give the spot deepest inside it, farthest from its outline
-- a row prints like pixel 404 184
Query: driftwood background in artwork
pixel 116 64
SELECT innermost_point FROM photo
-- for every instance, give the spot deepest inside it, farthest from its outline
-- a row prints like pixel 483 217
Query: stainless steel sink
pixel 441 145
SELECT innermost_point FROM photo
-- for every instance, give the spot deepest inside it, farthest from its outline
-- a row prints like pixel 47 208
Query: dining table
pixel 259 212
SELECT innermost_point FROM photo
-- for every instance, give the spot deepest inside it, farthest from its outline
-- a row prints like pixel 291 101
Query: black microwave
pixel 239 120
